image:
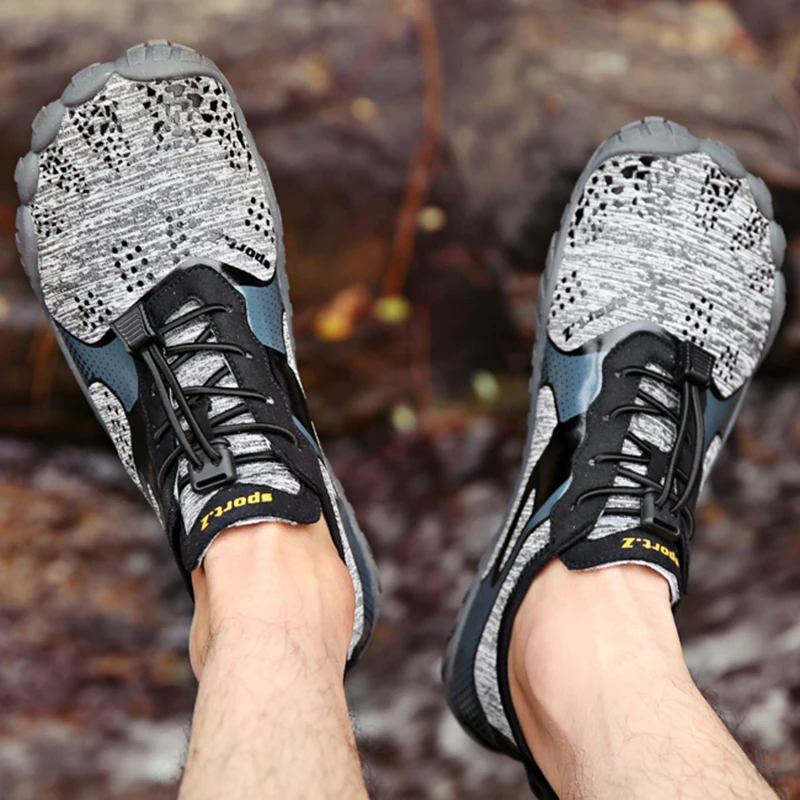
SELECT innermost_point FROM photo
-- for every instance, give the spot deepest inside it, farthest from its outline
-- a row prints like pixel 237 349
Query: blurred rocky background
pixel 422 152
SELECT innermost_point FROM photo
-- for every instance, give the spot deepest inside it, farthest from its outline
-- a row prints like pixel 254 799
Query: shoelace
pixel 204 445
pixel 664 504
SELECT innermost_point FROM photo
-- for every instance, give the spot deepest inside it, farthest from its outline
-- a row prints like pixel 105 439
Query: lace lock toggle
pixel 134 329
pixel 209 476
pixel 658 520
pixel 694 364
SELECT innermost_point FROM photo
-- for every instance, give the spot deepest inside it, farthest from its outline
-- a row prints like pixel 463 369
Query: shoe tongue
pixel 266 476
pixel 244 502
pixel 198 368
pixel 656 431
pixel 617 538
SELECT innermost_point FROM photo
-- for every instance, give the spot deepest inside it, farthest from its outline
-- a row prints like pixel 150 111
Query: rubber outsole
pixel 650 136
pixel 156 59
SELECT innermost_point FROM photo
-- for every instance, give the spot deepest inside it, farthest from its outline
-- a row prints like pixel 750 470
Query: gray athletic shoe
pixel 150 231
pixel 662 294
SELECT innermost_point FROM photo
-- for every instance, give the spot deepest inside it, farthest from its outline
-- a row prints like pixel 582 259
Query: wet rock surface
pixel 95 685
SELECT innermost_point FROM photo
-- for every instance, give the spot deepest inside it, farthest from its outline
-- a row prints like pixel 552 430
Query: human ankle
pixel 567 613
pixel 577 638
pixel 599 686
pixel 257 580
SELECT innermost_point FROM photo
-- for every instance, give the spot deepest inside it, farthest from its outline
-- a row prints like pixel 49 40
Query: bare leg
pixel 273 620
pixel 605 699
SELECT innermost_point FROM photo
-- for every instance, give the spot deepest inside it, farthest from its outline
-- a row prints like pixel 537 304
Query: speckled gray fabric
pixel 711 457
pixel 546 421
pixel 116 423
pixel 138 179
pixel 487 681
pixel 676 241
pixel 287 343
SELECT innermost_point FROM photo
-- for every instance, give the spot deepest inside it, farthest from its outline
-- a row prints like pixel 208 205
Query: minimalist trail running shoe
pixel 150 231
pixel 661 295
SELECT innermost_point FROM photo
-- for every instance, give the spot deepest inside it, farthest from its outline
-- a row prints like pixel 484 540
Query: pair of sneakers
pixel 150 231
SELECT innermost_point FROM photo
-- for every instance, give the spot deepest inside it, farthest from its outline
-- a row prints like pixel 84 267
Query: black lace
pixel 664 508
pixel 204 443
